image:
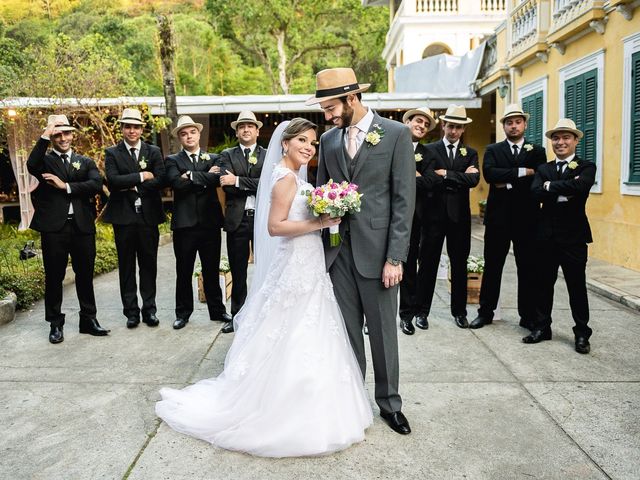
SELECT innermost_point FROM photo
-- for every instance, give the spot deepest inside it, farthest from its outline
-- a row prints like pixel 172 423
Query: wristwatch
pixel 393 261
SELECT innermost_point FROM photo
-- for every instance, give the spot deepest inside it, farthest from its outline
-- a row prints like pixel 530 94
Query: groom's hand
pixel 391 275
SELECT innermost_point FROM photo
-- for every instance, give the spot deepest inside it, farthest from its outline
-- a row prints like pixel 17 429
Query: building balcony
pixel 450 7
pixel 569 17
pixel 528 27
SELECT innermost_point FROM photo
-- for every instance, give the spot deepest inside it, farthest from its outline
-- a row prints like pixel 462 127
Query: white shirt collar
pixel 365 122
pixel 197 153
pixel 568 159
pixel 69 153
pixel 415 144
pixel 519 144
pixel 447 143
pixel 250 147
pixel 137 146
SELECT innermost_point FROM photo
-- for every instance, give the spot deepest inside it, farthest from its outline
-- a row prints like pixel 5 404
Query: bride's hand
pixel 327 220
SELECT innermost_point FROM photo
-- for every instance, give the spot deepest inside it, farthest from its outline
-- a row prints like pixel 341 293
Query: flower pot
pixel 225 286
pixel 474 280
pixel 8 308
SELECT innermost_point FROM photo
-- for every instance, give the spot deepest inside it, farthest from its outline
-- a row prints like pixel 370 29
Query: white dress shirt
pixel 250 204
pixel 68 187
pixel 363 127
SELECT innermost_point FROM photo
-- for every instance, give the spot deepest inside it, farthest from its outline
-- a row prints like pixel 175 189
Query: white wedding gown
pixel 291 385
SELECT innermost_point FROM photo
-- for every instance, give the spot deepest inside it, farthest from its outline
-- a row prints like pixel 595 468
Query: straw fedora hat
pixel 61 121
pixel 456 114
pixel 514 110
pixel 334 83
pixel 425 112
pixel 131 116
pixel 564 125
pixel 183 122
pixel 247 116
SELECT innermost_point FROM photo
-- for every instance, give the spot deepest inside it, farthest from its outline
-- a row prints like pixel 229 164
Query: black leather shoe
pixel 56 335
pixel 480 322
pixel 537 336
pixel 461 321
pixel 582 345
pixel 525 324
pixel 422 322
pixel 92 327
pixel 227 328
pixel 225 317
pixel 133 322
pixel 407 327
pixel 397 421
pixel 151 320
pixel 180 323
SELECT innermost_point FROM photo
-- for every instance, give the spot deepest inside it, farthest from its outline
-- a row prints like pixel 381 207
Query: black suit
pixel 63 235
pixel 135 227
pixel 409 306
pixel 196 222
pixel 445 213
pixel 238 222
pixel 564 233
pixel 510 216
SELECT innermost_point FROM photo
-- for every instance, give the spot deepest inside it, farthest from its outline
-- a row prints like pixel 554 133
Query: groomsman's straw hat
pixel 183 122
pixel 514 110
pixel 335 83
pixel 132 116
pixel 564 125
pixel 456 114
pixel 247 117
pixel 425 112
pixel 62 121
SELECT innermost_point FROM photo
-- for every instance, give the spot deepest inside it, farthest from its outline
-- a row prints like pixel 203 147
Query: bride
pixel 291 385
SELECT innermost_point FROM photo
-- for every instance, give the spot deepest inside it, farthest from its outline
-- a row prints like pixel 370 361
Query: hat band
pixel 511 114
pixel 130 118
pixel 329 92
pixel 455 117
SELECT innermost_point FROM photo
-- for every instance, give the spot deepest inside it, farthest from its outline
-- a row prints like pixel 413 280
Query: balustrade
pixel 436 6
pixel 524 25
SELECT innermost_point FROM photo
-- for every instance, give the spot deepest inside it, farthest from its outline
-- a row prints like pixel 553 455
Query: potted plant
pixel 475 269
pixel 482 205
pixel 225 279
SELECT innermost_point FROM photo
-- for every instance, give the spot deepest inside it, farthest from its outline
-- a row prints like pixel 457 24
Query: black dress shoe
pixel 180 323
pixel 407 327
pixel 397 421
pixel 480 322
pixel 537 336
pixel 525 324
pixel 422 322
pixel 461 321
pixel 225 317
pixel 227 328
pixel 92 327
pixel 151 320
pixel 133 322
pixel 56 335
pixel 582 345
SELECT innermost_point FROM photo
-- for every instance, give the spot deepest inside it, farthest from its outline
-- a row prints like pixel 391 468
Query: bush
pixel 106 257
pixel 28 286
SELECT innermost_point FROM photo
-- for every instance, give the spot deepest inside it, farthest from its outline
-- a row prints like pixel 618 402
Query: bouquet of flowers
pixel 336 199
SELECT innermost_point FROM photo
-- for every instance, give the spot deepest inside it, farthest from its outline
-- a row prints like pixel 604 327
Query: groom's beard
pixel 346 116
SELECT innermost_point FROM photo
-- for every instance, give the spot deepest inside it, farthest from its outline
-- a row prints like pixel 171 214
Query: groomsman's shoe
pixel 422 322
pixel 397 421
pixel 582 345
pixel 225 317
pixel 151 320
pixel 461 321
pixel 180 323
pixel 56 335
pixel 133 322
pixel 92 327
pixel 407 326
pixel 227 328
pixel 537 336
pixel 526 324
pixel 480 322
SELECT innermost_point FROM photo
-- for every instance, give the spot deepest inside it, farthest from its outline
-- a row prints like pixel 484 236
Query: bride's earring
pixel 284 152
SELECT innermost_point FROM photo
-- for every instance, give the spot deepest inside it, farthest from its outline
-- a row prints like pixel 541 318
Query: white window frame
pixel 631 46
pixel 539 85
pixel 583 65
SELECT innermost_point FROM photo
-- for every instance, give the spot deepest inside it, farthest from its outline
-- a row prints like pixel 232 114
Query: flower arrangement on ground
pixel 475 264
pixel 335 199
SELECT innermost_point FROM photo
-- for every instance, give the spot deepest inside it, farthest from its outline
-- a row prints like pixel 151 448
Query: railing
pixel 436 6
pixel 493 5
pixel 565 11
pixel 490 58
pixel 524 25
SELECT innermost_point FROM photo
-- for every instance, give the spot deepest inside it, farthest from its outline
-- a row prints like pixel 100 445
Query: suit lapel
pixel 71 170
pixel 144 153
pixel 444 157
pixel 126 156
pixel 239 162
pixel 338 147
pixel 365 148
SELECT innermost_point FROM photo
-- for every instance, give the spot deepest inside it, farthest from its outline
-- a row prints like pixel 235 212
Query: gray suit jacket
pixel 386 176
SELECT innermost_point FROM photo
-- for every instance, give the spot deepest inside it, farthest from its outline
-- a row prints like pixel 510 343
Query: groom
pixel 377 155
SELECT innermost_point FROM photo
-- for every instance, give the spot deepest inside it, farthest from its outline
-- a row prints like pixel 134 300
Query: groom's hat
pixel 335 83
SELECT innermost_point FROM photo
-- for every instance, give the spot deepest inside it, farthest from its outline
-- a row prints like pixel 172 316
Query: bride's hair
pixel 297 126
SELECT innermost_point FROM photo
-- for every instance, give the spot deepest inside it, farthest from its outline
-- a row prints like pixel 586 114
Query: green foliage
pixel 228 142
pixel 28 286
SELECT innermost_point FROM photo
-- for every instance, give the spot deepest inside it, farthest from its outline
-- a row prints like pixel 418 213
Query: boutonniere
pixel 418 157
pixel 528 147
pixel 205 157
pixel 463 151
pixel 253 159
pixel 142 163
pixel 373 137
pixel 76 165
pixel 572 165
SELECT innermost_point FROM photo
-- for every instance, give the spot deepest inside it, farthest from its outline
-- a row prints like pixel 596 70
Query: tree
pixel 167 49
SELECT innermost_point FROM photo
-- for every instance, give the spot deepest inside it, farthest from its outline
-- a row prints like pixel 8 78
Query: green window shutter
pixel 533 105
pixel 634 151
pixel 581 106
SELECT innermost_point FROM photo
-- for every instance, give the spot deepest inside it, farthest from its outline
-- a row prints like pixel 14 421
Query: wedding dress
pixel 291 385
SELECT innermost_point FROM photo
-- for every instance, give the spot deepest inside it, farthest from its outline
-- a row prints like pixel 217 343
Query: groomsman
pixel 420 122
pixel 241 167
pixel 135 176
pixel 450 170
pixel 563 186
pixel 196 221
pixel 510 217
pixel 64 215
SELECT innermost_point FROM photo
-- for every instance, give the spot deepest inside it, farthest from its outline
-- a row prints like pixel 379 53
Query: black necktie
pixel 247 152
pixel 133 154
pixel 560 165
pixel 515 151
pixel 451 146
pixel 194 159
pixel 65 160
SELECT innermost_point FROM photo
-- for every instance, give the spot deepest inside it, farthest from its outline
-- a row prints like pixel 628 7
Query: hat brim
pixel 575 131
pixel 459 121
pixel 176 130
pixel 257 123
pixel 65 128
pixel 412 113
pixel 315 99
pixel 516 114
pixel 131 122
